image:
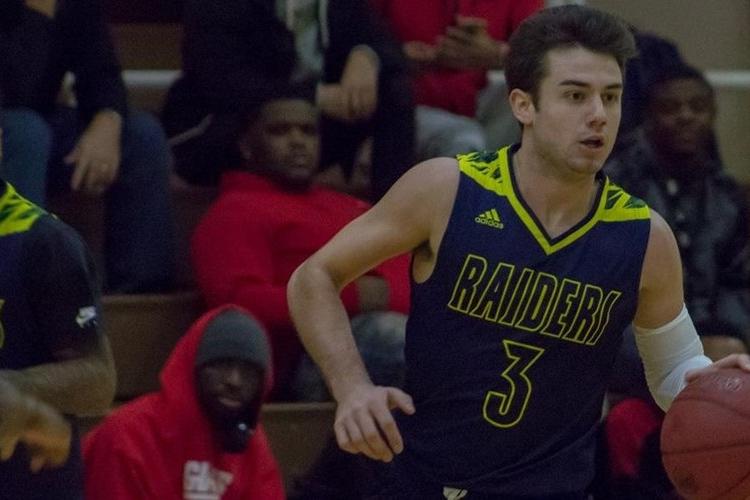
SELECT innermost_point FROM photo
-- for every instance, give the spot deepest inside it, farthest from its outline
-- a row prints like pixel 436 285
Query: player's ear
pixel 522 105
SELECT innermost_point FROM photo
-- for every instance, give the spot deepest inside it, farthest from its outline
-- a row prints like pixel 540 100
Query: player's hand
pixel 46 434
pixel 364 422
pixel 48 439
pixel 741 361
pixel 12 419
pixel 96 156
pixel 359 83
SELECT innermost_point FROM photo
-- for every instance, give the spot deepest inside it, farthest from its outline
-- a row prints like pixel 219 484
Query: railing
pixel 731 79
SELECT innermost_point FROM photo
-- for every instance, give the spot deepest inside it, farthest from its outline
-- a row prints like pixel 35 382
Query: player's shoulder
pixel 662 252
pixel 427 180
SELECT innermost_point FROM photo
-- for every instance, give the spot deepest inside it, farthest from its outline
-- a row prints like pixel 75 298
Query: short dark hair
pixel 671 72
pixel 566 26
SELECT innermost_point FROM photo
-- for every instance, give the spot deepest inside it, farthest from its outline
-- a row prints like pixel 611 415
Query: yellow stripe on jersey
pixel 17 214
pixel 621 206
pixel 491 170
pixel 487 168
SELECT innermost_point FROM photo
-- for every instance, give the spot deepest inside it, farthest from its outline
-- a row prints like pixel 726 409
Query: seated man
pixel 99 147
pixel 235 50
pixel 199 437
pixel 674 166
pixel 268 218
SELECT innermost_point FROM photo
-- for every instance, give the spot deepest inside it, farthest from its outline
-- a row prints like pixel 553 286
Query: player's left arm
pixel 63 294
pixel 667 341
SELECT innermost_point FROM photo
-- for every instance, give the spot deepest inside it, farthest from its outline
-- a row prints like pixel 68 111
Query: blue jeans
pixel 380 339
pixel 139 228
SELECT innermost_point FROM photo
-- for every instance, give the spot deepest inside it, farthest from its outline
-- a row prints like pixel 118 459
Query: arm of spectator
pixel 359 84
pixel 92 59
pixel 233 259
pixel 96 155
pixel 44 432
pixel 356 24
pixel 234 51
pixel 63 294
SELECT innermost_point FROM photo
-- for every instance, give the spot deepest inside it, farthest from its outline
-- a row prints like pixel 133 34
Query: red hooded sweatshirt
pixel 161 446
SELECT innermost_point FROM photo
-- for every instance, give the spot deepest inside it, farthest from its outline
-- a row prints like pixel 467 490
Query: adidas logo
pixel 489 218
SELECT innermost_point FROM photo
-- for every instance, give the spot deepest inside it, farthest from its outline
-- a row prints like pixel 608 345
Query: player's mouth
pixel 594 143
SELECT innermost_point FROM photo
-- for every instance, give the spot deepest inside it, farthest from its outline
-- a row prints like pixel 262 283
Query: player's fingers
pixel 372 436
pixel 389 429
pixel 399 399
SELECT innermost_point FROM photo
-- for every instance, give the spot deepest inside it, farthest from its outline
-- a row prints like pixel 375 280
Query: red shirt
pixel 256 234
pixel 426 20
pixel 162 446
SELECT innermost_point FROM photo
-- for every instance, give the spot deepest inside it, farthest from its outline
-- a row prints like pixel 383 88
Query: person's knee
pixel 25 128
pixel 145 143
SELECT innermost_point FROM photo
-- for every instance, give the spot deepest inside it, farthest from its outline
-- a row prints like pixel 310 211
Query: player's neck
pixel 559 202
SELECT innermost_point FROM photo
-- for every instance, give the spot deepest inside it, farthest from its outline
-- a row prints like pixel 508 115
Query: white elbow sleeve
pixel 668 353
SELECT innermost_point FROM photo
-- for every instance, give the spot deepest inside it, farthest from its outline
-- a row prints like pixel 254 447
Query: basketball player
pixel 527 265
pixel 52 351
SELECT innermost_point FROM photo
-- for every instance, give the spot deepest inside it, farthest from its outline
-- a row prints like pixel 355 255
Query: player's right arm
pixel 411 216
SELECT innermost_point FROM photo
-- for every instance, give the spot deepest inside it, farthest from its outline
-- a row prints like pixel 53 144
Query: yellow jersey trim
pixel 491 170
pixel 17 214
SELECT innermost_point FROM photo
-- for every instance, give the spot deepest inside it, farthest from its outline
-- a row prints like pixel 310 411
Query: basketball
pixel 705 437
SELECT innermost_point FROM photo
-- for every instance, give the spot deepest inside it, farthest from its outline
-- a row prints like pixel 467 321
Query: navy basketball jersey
pixel 46 303
pixel 511 340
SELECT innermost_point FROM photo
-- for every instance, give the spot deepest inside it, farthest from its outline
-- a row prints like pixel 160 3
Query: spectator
pixel 98 147
pixel 52 353
pixel 234 51
pixel 268 218
pixel 453 45
pixel 673 164
pixel 200 436
pixel 654 52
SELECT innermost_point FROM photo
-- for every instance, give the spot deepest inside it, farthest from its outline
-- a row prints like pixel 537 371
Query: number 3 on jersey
pixel 506 408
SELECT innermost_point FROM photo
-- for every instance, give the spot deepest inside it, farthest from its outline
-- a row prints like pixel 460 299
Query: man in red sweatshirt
pixel 199 436
pixel 269 217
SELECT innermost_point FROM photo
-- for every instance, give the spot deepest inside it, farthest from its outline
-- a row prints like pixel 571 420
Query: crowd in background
pixel 302 114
